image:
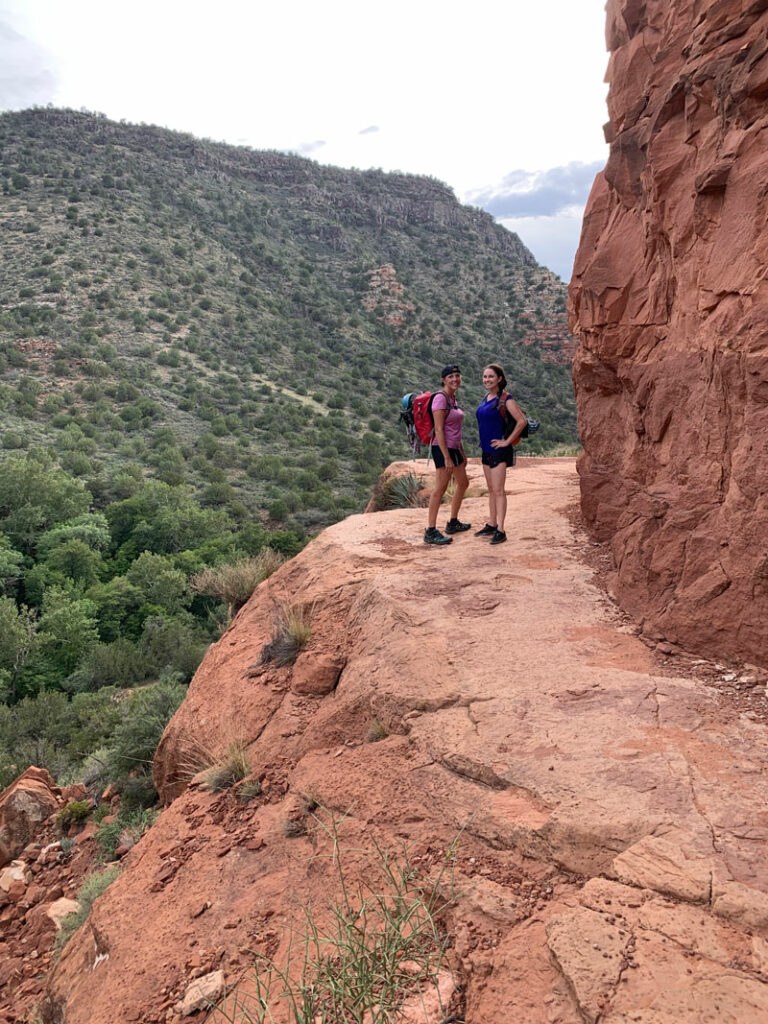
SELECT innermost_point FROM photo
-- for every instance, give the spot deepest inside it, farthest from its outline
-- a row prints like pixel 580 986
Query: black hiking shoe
pixel 487 531
pixel 498 537
pixel 433 536
pixel 454 526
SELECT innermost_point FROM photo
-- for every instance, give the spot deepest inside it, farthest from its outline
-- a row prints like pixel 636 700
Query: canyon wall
pixel 670 303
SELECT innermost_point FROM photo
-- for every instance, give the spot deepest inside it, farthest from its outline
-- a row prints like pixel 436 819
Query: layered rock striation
pixel 670 302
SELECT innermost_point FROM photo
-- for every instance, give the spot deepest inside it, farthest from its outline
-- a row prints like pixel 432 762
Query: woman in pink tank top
pixel 448 453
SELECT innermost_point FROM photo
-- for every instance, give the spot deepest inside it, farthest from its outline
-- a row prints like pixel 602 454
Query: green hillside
pixel 246 322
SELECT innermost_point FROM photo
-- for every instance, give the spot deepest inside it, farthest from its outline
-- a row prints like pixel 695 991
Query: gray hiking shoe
pixel 433 536
pixel 498 537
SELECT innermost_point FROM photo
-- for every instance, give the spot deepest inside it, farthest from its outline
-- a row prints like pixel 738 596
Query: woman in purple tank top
pixel 448 453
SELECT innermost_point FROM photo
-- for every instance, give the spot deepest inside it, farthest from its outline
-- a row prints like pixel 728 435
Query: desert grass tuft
pixel 376 732
pixel 292 632
pixel 220 757
pixel 235 582
pixel 399 492
pixel 230 767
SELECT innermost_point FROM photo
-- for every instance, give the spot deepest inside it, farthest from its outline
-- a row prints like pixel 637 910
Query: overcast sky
pixel 504 101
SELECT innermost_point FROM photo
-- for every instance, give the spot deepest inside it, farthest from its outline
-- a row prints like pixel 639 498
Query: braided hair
pixel 499 371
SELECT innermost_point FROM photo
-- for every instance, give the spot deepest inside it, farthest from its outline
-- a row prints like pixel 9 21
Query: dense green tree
pixel 11 562
pixel 117 603
pixel 91 528
pixel 35 495
pixel 160 582
pixel 67 630
pixel 74 559
pixel 18 636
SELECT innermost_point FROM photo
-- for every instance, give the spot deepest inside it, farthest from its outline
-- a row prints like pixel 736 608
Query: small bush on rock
pixel 231 767
pixel 73 813
pixel 293 631
pixel 398 492
pixel 234 583
pixel 384 941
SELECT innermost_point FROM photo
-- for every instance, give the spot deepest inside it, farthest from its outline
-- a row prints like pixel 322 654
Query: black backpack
pixel 510 422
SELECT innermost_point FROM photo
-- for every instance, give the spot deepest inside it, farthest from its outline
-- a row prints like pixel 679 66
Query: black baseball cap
pixel 451 368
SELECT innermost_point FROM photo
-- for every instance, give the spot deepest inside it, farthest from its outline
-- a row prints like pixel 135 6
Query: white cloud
pixel 552 240
pixel 458 96
pixel 26 75
pixel 538 193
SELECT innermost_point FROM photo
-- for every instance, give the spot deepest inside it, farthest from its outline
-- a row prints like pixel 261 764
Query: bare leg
pixel 491 497
pixel 442 476
pixel 462 483
pixel 496 479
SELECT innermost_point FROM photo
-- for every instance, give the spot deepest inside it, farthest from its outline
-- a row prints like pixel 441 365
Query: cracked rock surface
pixel 669 301
pixel 610 813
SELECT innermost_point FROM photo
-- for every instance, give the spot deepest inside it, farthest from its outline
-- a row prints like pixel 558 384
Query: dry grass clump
pixel 232 766
pixel 235 582
pixel 376 731
pixel 399 492
pixel 293 631
pixel 222 761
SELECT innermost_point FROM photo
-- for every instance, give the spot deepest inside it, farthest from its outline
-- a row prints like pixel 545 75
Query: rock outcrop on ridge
pixel 610 814
pixel 670 302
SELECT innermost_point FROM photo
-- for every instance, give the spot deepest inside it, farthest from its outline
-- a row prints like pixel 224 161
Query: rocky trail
pixel 606 797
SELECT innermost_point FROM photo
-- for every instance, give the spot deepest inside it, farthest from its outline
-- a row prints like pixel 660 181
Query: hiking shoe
pixel 454 526
pixel 498 537
pixel 433 536
pixel 487 531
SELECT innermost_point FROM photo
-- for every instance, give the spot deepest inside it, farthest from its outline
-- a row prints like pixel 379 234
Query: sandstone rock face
pixel 609 814
pixel 670 302
pixel 24 806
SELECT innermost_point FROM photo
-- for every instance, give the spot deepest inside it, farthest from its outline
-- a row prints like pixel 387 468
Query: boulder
pixel 14 879
pixel 315 675
pixel 24 806
pixel 669 303
pixel 203 993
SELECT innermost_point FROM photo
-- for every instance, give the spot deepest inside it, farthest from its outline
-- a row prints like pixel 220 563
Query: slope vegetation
pixel 247 321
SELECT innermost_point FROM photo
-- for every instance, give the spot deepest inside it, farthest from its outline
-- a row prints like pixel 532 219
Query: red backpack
pixel 423 420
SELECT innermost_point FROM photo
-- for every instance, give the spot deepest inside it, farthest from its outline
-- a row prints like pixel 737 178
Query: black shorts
pixel 456 457
pixel 501 456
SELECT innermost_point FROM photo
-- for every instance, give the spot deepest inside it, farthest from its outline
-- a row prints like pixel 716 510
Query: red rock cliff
pixel 670 302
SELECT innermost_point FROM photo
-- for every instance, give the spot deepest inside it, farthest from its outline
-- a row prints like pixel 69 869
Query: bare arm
pixel 514 410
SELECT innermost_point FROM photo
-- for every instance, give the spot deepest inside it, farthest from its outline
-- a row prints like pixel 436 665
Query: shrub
pixel 135 822
pixel 398 492
pixel 376 732
pixel 293 630
pixel 93 886
pixel 234 583
pixel 72 813
pixel 145 717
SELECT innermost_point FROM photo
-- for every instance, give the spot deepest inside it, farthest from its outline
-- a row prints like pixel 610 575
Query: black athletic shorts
pixel 456 457
pixel 498 457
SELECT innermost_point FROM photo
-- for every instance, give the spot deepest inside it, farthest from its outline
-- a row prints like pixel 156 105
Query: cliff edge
pixel 608 814
pixel 670 303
